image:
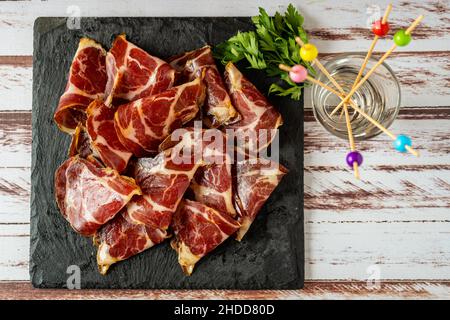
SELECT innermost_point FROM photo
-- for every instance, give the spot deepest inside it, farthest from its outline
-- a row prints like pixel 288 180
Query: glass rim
pixel 359 55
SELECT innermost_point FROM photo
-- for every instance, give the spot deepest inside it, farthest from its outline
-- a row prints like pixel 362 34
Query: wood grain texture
pixel 349 225
pixel 396 218
pixel 15 87
pixel 343 29
pixel 313 290
pixel 424 79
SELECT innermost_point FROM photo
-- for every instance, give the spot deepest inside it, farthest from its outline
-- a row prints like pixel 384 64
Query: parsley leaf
pixel 271 43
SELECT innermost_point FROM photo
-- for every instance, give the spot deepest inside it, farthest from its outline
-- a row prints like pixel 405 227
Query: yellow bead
pixel 308 52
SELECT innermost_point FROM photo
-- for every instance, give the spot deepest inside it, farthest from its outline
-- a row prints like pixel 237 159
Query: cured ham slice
pixel 254 184
pixel 100 126
pixel 218 107
pixel 212 183
pixel 123 238
pixel 146 218
pixel 81 142
pixel 163 181
pixel 199 230
pixel 87 80
pixel 143 124
pixel 258 117
pixel 134 74
pixel 88 196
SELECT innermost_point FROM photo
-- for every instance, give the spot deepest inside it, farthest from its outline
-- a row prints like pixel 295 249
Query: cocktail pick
pixel 354 158
pixel 401 38
pixel 380 28
pixel 309 53
pixel 298 73
pixel 402 143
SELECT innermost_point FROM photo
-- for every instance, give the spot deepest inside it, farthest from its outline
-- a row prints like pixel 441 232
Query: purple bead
pixel 354 156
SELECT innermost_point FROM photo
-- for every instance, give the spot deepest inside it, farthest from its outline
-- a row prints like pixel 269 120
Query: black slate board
pixel 271 256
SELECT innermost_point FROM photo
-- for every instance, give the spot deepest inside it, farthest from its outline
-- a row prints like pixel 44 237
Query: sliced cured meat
pixel 258 117
pixel 163 180
pixel 143 124
pixel 87 80
pixel 122 238
pixel 199 230
pixel 254 184
pixel 217 107
pixel 212 186
pixel 146 218
pixel 134 74
pixel 81 142
pixel 100 126
pixel 212 183
pixel 89 196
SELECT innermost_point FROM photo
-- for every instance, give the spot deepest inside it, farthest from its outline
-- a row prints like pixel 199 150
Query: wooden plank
pixel 408 198
pixel 399 242
pixel 320 147
pixel 15 195
pixel 335 203
pixel 329 22
pixel 16 61
pixel 339 245
pixel 312 290
pixel 15 139
pixel 414 212
pixel 412 182
pixel 14 258
pixel 16 84
pixel 423 78
pixel 14 229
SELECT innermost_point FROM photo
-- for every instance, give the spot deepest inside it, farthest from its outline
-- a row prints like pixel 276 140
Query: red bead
pixel 380 29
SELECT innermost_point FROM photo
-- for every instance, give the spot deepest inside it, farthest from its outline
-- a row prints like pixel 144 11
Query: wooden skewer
pixel 371 120
pixel 336 84
pixel 351 140
pixel 322 68
pixel 370 51
pixel 341 90
pixel 372 70
pixel 354 106
pixel 284 67
pixel 349 127
pixel 372 46
pixel 312 80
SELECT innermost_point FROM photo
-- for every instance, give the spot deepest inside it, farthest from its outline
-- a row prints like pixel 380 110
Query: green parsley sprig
pixel 272 43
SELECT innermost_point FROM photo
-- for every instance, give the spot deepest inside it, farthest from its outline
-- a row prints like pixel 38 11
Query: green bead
pixel 401 38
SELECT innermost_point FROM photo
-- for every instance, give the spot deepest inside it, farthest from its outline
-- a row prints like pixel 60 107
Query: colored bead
pixel 401 38
pixel 354 156
pixel 401 142
pixel 380 29
pixel 298 73
pixel 308 52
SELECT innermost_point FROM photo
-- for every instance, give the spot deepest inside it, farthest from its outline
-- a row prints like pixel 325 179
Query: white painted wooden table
pixel 397 219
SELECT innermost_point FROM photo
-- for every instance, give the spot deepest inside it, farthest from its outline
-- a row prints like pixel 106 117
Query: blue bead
pixel 401 142
pixel 354 156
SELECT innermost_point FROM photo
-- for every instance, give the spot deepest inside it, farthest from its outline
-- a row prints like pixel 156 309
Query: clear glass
pixel 379 97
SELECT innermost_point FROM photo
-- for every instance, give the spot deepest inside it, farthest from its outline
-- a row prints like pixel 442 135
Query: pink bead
pixel 298 73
